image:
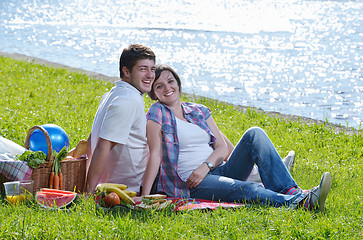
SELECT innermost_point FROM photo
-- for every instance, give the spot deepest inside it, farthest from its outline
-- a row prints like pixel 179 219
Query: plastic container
pixel 19 191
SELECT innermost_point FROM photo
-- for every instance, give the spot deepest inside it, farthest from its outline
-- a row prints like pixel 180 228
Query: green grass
pixel 33 94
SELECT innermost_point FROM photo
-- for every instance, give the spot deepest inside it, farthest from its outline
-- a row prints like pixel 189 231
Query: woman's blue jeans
pixel 228 182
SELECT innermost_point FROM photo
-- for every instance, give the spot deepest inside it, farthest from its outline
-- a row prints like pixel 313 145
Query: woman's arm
pixel 220 146
pixel 154 140
pixel 229 145
pixel 216 158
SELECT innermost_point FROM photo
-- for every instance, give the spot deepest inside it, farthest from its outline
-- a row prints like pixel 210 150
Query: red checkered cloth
pixel 193 204
pixel 14 170
pixel 184 204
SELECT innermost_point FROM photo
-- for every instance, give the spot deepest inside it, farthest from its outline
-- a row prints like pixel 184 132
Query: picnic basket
pixel 73 170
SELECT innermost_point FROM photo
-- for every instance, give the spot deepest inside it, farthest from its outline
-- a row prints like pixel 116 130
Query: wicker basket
pixel 73 170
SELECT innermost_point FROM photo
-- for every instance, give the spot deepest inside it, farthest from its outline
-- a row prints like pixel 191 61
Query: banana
pixel 130 193
pixel 123 196
pixel 101 186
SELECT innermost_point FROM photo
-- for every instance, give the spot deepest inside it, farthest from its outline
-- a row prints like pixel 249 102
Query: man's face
pixel 142 75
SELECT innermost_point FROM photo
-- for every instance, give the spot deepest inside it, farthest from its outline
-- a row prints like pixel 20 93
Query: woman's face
pixel 166 88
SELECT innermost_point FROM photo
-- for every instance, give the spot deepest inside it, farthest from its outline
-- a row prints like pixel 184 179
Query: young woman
pixel 188 151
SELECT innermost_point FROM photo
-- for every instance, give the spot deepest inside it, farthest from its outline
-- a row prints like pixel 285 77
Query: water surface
pixel 295 57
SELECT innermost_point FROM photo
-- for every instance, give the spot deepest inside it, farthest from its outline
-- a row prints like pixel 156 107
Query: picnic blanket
pixel 184 204
pixel 14 170
pixel 193 204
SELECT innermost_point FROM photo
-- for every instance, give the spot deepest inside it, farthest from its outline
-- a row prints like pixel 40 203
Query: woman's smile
pixel 169 93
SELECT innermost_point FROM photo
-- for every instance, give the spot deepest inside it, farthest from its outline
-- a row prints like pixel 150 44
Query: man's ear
pixel 126 71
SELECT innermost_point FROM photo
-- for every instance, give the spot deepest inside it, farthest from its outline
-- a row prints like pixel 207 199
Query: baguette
pixel 155 196
pixel 79 150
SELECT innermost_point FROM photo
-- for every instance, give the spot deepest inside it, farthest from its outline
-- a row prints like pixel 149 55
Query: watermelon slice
pixel 55 191
pixel 55 199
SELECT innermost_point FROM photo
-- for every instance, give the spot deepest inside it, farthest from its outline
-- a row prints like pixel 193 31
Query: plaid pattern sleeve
pixel 169 180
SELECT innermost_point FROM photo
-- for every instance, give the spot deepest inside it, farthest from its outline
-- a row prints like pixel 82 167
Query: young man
pixel 117 146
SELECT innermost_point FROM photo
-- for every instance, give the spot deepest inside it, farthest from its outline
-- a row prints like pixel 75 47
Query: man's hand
pixel 197 175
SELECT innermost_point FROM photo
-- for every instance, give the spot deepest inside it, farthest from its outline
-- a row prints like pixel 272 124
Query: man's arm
pixel 89 148
pixel 99 161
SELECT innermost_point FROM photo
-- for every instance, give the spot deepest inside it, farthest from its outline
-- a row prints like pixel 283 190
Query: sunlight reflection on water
pixel 295 57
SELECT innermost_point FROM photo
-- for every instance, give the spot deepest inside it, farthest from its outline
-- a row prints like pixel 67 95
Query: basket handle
pixel 47 138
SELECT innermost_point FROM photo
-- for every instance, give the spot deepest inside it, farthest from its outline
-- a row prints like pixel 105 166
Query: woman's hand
pixel 197 175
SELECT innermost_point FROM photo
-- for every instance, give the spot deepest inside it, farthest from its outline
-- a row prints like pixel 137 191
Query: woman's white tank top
pixel 194 147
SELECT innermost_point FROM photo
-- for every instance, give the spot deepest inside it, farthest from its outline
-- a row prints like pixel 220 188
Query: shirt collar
pixel 187 109
pixel 129 86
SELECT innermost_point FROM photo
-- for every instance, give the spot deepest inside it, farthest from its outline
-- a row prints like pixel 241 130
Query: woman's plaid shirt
pixel 169 180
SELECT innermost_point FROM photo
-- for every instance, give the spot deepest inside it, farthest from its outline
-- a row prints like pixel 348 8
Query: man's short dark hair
pixel 132 54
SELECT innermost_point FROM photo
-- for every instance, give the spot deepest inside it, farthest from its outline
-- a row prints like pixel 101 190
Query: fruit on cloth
pixel 101 186
pixel 111 200
pixel 55 199
pixel 130 193
pixel 123 196
pixel 107 188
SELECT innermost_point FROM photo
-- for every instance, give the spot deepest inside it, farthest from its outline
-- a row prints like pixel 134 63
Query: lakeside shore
pixel 337 127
